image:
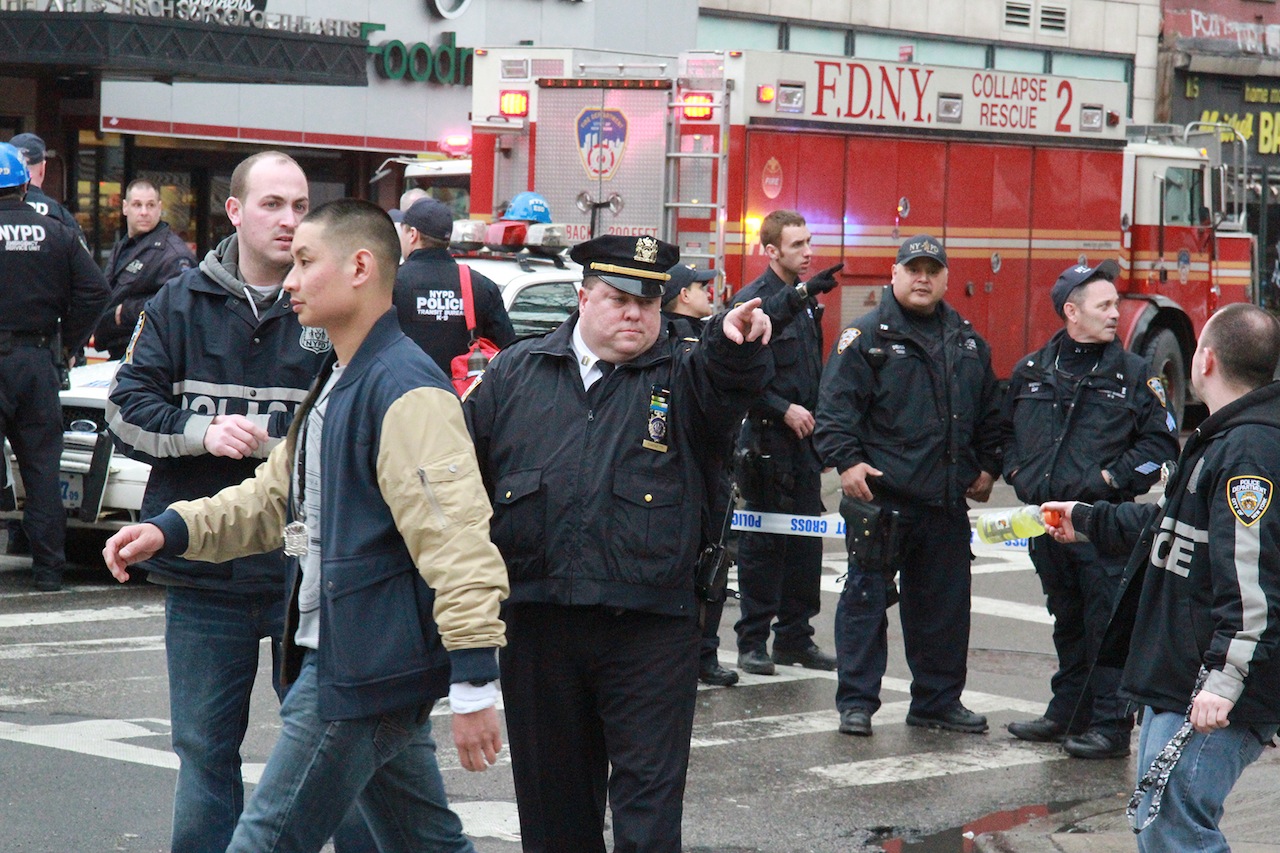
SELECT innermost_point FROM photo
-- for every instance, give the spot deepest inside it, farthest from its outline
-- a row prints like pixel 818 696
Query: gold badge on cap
pixel 646 250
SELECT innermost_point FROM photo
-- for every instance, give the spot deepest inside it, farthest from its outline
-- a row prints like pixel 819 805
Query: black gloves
pixel 823 281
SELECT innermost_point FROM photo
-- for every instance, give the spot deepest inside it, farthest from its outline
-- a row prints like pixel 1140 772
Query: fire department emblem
pixel 771 179
pixel 1184 266
pixel 314 339
pixel 602 138
pixel 1249 498
pixel 847 337
pixel 1157 388
pixel 646 250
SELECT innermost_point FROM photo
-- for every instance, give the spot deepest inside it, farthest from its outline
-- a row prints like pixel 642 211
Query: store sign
pixel 1250 105
pixel 1191 29
pixel 447 64
pixel 230 13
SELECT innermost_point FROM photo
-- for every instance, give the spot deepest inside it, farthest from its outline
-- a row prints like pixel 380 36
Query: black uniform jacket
pixel 52 208
pixel 1061 438
pixel 137 268
pixel 929 422
pixel 1202 586
pixel 596 496
pixel 46 276
pixel 428 298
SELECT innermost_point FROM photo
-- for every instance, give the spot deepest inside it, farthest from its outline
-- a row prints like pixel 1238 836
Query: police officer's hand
pixel 824 281
pixel 478 738
pixel 799 419
pixel 980 489
pixel 853 480
pixel 130 545
pixel 234 436
pixel 746 322
pixel 1060 512
pixel 1209 711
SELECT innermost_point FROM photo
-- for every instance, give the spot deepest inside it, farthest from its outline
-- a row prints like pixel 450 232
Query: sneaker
pixel 855 721
pixel 1097 744
pixel 1039 730
pixel 715 674
pixel 957 718
pixel 756 662
pixel 811 657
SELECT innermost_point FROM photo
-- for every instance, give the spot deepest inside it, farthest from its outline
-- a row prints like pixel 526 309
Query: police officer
pixel 1088 423
pixel 33 150
pixel 428 295
pixel 141 261
pixel 909 416
pixel 46 279
pixel 590 442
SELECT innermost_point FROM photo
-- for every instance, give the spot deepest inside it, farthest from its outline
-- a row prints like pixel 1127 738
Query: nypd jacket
pixel 410 581
pixel 1202 587
pixel 1060 439
pixel 46 206
pixel 46 277
pixel 596 497
pixel 428 300
pixel 929 422
pixel 198 351
pixel 137 268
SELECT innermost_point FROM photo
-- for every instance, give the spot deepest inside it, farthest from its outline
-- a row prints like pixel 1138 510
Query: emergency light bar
pixel 602 83
pixel 509 236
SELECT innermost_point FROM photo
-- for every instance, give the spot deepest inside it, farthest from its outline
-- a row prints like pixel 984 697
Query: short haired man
pixel 47 282
pixel 410 197
pixel 687 294
pixel 1086 420
pixel 779 576
pixel 380 480
pixel 217 366
pixel 909 416
pixel 1199 617
pixel 35 152
pixel 592 471
pixel 148 255
pixel 428 295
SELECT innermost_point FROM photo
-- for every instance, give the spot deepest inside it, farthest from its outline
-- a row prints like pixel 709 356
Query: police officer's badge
pixel 1157 388
pixel 1249 497
pixel 314 339
pixel 134 266
pixel 847 337
pixel 656 426
pixel 646 250
pixel 133 340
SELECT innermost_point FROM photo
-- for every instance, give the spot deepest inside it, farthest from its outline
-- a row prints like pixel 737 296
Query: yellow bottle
pixel 1023 522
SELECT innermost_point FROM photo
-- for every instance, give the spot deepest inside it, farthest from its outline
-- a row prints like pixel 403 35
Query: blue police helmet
pixel 13 167
pixel 529 206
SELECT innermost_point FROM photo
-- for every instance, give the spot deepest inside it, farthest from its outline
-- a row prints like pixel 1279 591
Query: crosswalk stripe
pixel 60 648
pixel 984 754
pixel 88 614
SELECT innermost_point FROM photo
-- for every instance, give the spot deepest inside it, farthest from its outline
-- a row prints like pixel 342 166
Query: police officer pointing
pixel 46 279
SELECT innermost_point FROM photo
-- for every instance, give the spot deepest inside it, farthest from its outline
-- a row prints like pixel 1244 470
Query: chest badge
pixel 314 339
pixel 656 423
pixel 134 267
pixel 1249 498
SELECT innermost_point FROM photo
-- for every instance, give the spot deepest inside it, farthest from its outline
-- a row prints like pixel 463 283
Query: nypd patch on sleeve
pixel 1249 498
pixel 847 337
pixel 1157 388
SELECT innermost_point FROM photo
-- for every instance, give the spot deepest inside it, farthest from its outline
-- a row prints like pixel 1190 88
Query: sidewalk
pixel 1251 823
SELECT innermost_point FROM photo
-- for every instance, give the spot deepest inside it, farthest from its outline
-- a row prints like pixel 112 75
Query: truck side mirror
pixel 1206 218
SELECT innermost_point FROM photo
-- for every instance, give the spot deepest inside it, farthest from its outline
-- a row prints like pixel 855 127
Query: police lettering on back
pixel 22 238
pixel 440 304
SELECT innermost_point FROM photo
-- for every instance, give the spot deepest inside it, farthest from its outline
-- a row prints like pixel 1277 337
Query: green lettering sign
pixel 446 65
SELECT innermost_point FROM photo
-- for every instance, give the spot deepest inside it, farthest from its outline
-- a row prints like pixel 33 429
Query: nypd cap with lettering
pixel 430 217
pixel 635 265
pixel 921 246
pixel 1078 276
pixel 683 275
pixel 31 146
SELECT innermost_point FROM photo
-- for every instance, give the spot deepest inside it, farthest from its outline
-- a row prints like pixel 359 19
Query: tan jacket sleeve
pixel 429 476
pixel 240 520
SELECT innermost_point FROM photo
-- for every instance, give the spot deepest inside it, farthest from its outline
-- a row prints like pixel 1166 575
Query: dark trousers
pixel 1081 586
pixel 934 578
pixel 780 576
pixel 599 705
pixel 709 644
pixel 31 418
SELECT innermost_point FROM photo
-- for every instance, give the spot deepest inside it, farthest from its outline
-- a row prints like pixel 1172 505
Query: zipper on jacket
pixel 431 499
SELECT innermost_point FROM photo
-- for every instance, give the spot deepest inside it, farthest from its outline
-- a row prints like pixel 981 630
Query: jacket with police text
pixel 410 583
pixel 597 497
pixel 1202 586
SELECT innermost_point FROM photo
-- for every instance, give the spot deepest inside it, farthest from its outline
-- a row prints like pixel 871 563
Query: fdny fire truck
pixel 1021 175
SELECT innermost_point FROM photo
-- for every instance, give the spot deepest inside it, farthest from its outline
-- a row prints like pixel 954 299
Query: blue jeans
pixel 386 765
pixel 211 645
pixel 1198 785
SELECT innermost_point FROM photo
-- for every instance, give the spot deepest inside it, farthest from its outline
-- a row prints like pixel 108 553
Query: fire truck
pixel 1020 174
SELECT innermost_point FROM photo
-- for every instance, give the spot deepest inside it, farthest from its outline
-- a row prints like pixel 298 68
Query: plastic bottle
pixel 476 362
pixel 1024 522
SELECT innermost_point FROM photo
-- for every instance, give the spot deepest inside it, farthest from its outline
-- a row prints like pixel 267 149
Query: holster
pixel 872 534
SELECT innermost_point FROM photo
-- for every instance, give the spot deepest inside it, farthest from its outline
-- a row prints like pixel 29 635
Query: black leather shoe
pixel 809 658
pixel 713 673
pixel 48 580
pixel 756 662
pixel 1097 744
pixel 957 718
pixel 1039 730
pixel 855 721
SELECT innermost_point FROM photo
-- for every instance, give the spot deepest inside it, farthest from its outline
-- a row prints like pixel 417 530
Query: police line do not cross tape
pixel 829 526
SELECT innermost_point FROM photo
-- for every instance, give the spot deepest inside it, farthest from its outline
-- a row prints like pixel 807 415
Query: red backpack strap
pixel 468 305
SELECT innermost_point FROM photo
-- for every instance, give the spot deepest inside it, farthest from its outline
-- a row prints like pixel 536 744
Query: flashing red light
pixel 735 53
pixel 506 235
pixel 513 103
pixel 765 93
pixel 456 144
pixel 693 111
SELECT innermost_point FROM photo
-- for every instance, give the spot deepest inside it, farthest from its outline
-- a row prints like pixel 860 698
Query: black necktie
pixel 593 393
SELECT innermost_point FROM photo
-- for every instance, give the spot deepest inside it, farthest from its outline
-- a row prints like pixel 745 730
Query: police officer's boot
pixel 47 579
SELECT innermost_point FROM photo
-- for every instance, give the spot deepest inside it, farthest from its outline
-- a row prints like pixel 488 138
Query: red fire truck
pixel 1021 175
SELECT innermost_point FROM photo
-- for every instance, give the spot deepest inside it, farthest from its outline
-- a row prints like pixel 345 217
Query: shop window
pixel 815 40
pixel 716 33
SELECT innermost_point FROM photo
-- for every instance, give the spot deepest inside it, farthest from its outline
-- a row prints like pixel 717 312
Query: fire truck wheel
pixel 1165 356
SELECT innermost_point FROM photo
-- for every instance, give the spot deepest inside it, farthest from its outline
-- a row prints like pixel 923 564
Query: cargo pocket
pixel 380 584
pixel 453 490
pixel 646 527
pixel 519 518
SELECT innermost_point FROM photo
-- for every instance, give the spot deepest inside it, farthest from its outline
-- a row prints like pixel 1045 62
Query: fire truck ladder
pixel 712 181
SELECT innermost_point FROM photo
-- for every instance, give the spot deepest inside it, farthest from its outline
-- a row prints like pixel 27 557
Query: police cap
pixel 635 265
pixel 1076 276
